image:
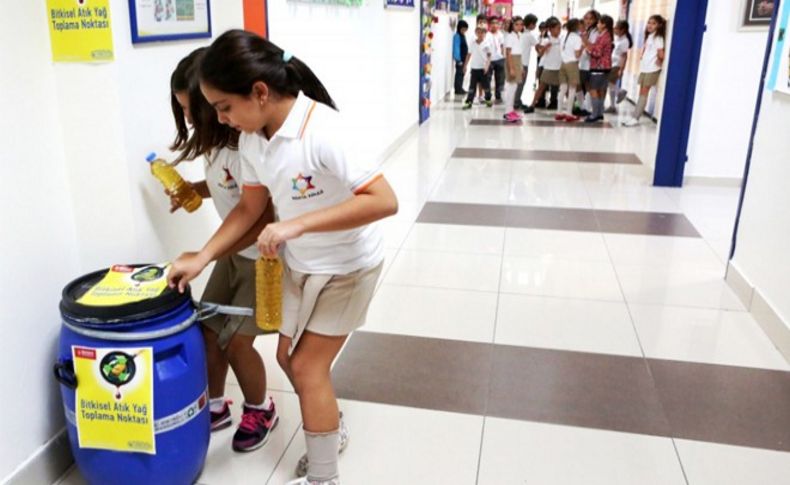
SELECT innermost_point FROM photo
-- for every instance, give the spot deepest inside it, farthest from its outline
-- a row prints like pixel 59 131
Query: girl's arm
pixel 374 202
pixel 623 63
pixel 200 187
pixel 240 220
pixel 509 60
pixel 660 57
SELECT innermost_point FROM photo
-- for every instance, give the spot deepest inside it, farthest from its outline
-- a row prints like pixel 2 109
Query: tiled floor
pixel 545 316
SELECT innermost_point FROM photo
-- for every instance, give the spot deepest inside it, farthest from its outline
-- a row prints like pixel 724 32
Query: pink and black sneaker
pixel 512 117
pixel 221 420
pixel 254 429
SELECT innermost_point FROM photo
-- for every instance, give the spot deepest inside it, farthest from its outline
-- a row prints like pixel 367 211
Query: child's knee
pixel 306 372
pixel 240 344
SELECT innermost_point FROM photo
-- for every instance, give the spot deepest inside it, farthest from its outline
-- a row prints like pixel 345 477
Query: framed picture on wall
pixel 758 13
pixel 399 3
pixel 162 20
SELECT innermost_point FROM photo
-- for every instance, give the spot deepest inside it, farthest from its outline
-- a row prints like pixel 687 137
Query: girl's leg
pixel 539 93
pixel 571 97
pixel 310 365
pixel 283 358
pixel 248 367
pixel 642 103
pixel 510 96
pixel 613 95
pixel 217 365
pixel 563 93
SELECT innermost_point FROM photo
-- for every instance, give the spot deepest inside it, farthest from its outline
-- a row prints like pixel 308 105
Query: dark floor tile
pixel 573 388
pixel 547 155
pixel 446 375
pixel 464 214
pixel 721 404
pixel 645 223
pixel 547 123
pixel 529 217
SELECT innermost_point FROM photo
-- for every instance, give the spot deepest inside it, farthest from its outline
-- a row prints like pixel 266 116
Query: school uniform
pixel 528 43
pixel 569 70
pixel 309 165
pixel 649 68
pixel 232 281
pixel 497 62
pixel 620 48
pixel 552 61
pixel 584 60
pixel 480 55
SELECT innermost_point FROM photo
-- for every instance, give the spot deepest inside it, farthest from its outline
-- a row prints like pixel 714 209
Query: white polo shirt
pixel 480 54
pixel 620 48
pixel 496 41
pixel 223 176
pixel 584 60
pixel 310 164
pixel 650 57
pixel 552 60
pixel 571 44
pixel 513 42
pixel 528 43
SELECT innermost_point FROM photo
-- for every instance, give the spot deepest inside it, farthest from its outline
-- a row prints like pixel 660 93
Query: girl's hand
pixel 184 269
pixel 276 234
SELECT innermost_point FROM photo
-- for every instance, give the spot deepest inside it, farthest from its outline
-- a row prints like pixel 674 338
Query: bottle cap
pixel 151 157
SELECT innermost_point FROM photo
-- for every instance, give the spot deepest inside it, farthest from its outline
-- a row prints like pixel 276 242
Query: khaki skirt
pixel 519 70
pixel 331 305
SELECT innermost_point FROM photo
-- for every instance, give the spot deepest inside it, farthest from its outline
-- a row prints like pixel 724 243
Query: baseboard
pixel 712 181
pixel 393 147
pixel 763 312
pixel 46 465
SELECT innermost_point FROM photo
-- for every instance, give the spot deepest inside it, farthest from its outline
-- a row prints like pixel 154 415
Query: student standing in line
pixel 622 44
pixel 600 53
pixel 528 43
pixel 460 55
pixel 497 40
pixel 513 67
pixel 479 63
pixel 590 32
pixel 229 339
pixel 652 60
pixel 482 22
pixel 569 71
pixel 551 50
pixel 327 199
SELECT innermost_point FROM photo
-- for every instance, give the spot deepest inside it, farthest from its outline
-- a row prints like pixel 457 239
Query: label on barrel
pixel 115 398
pixel 127 284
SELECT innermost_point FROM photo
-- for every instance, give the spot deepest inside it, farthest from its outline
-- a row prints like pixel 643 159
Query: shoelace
pixel 250 420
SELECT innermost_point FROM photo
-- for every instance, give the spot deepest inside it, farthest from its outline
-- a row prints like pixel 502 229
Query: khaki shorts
pixel 516 59
pixel 614 75
pixel 649 79
pixel 232 282
pixel 569 74
pixel 552 78
pixel 331 305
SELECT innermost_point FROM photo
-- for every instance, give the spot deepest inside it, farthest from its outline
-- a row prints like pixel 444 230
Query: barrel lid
pixel 73 309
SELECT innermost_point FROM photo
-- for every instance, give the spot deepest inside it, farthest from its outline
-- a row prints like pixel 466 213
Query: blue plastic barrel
pixel 167 324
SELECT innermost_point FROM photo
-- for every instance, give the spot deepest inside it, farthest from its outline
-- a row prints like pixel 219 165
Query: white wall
pixel 729 76
pixel 367 57
pixel 442 65
pixel 38 250
pixel 761 254
pixel 79 195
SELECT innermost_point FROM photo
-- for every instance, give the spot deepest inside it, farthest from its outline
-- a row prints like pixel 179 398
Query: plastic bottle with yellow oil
pixel 268 294
pixel 181 191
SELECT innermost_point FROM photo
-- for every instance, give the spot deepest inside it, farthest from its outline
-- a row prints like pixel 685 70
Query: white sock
pixel 640 107
pixel 266 406
pixel 588 102
pixel 322 450
pixel 571 95
pixel 613 94
pixel 580 99
pixel 217 404
pixel 561 104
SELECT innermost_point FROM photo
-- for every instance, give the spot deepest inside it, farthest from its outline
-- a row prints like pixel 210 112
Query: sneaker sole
pixel 225 423
pixel 263 441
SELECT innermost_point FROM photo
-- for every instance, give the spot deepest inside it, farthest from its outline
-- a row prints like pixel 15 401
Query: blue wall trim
pixel 681 84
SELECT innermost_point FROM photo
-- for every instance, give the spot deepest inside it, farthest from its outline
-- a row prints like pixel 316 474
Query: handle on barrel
pixel 64 373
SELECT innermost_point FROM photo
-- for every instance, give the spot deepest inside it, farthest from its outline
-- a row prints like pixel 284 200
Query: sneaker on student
pixel 541 103
pixel 512 117
pixel 528 110
pixel 301 467
pixel 593 119
pixel 489 103
pixel 467 105
pixel 572 119
pixel 255 427
pixel 621 94
pixel 221 420
pixel 305 481
pixel 560 117
pixel 631 122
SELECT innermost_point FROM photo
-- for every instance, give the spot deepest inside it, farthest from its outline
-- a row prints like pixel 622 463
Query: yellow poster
pixel 80 30
pixel 115 398
pixel 127 284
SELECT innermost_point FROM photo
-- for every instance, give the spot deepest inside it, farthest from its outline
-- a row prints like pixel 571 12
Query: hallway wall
pixel 729 76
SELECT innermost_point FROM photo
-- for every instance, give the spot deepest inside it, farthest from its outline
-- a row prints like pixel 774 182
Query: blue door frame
pixel 681 84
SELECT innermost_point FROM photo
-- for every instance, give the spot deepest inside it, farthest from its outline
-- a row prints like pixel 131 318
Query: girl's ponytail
pixel 238 59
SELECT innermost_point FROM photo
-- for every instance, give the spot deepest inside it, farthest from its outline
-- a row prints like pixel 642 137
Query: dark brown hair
pixel 661 29
pixel 238 59
pixel 207 132
pixel 626 27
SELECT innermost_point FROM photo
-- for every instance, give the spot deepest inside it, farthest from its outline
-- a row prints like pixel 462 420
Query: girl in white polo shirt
pixel 513 67
pixel 292 144
pixel 229 339
pixel 570 77
pixel 651 64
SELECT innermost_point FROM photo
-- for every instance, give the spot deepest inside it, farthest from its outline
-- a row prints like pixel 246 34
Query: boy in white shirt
pixel 479 63
pixel 497 40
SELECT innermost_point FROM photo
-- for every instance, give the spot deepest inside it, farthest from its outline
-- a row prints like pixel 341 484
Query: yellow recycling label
pixel 114 403
pixel 127 284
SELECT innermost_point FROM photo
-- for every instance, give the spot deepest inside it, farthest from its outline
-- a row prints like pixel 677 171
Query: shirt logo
pixel 229 183
pixel 304 185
